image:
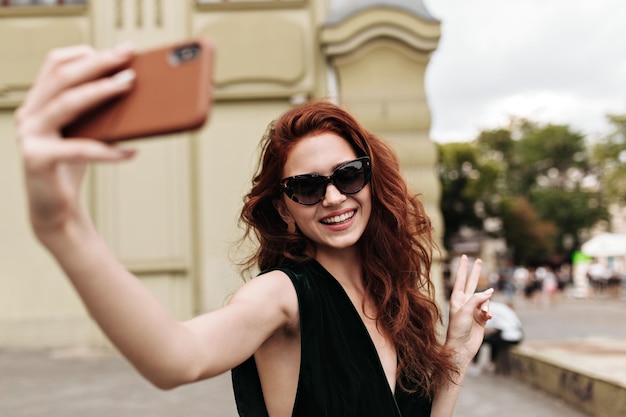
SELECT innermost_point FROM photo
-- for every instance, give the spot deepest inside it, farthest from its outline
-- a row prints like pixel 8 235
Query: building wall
pixel 171 214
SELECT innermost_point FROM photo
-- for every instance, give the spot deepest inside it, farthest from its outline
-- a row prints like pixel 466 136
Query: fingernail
pixel 124 77
pixel 124 48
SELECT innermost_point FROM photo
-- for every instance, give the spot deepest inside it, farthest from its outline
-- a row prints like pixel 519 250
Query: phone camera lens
pixel 184 54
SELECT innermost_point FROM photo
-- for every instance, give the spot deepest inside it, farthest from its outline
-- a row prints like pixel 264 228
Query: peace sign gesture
pixel 469 313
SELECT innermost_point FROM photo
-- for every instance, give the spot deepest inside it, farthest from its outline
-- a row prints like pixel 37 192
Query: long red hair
pixel 396 247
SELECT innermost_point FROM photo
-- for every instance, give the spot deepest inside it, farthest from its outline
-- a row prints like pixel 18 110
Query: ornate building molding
pixel 348 35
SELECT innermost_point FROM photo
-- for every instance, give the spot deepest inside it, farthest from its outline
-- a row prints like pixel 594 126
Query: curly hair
pixel 396 247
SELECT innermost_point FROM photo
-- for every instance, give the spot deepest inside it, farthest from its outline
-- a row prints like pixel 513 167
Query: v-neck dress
pixel 341 374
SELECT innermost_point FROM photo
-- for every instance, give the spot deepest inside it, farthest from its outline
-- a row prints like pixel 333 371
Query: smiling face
pixel 339 220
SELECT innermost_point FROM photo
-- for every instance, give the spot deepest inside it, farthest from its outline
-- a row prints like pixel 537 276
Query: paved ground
pixel 72 383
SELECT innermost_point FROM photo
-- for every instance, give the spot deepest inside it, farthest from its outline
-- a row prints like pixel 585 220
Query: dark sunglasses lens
pixel 351 178
pixel 308 190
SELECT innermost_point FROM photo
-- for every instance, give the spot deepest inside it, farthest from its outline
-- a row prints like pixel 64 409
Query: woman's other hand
pixel 469 313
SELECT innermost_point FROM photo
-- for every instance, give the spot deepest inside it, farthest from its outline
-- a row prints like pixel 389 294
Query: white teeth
pixel 339 219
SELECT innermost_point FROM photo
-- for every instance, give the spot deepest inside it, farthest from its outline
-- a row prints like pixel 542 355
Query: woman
pixel 342 320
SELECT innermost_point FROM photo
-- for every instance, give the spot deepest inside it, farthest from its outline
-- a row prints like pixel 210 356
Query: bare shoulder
pixel 263 309
pixel 274 291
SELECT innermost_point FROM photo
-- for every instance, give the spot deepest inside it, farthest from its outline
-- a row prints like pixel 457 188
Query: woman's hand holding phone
pixel 111 95
pixel 71 84
pixel 71 81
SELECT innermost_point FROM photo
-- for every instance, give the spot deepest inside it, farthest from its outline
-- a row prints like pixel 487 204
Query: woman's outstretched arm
pixel 164 350
pixel 469 313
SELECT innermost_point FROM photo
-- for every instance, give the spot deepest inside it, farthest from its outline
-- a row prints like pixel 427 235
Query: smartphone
pixel 172 92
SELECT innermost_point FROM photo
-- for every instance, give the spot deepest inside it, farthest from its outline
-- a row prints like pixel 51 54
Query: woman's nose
pixel 332 196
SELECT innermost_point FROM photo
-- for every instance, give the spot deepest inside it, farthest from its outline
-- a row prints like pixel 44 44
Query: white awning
pixel 605 244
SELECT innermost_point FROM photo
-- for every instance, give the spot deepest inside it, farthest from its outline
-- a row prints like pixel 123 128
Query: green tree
pixel 570 210
pixel 549 156
pixel 539 174
pixel 530 239
pixel 609 157
pixel 458 171
pixel 553 171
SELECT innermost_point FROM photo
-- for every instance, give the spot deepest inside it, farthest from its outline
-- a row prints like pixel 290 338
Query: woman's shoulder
pixel 272 281
pixel 271 290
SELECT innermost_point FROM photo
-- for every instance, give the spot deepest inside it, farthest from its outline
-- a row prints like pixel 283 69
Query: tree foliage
pixel 529 238
pixel 537 179
pixel 609 158
pixel 460 176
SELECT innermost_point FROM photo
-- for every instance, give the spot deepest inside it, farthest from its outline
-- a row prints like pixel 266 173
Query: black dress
pixel 340 372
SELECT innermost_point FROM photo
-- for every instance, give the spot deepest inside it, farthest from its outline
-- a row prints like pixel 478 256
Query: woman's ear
pixel 283 212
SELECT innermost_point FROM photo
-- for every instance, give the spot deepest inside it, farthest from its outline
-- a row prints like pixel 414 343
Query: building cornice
pixel 348 35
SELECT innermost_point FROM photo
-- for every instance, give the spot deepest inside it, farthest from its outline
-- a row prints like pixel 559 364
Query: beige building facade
pixel 171 214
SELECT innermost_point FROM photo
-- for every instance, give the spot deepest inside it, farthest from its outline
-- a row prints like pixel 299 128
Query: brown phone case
pixel 172 92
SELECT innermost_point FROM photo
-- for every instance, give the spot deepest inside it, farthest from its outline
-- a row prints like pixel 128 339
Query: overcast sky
pixel 558 61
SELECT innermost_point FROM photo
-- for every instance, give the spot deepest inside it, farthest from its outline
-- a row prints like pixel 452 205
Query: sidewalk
pixel 76 383
pixel 87 383
pixel 584 362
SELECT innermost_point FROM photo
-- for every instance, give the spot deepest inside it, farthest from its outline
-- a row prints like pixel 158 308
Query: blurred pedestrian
pixel 549 287
pixel 598 275
pixel 502 332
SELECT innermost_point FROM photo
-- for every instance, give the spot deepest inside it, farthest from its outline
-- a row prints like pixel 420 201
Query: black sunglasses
pixel 309 189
